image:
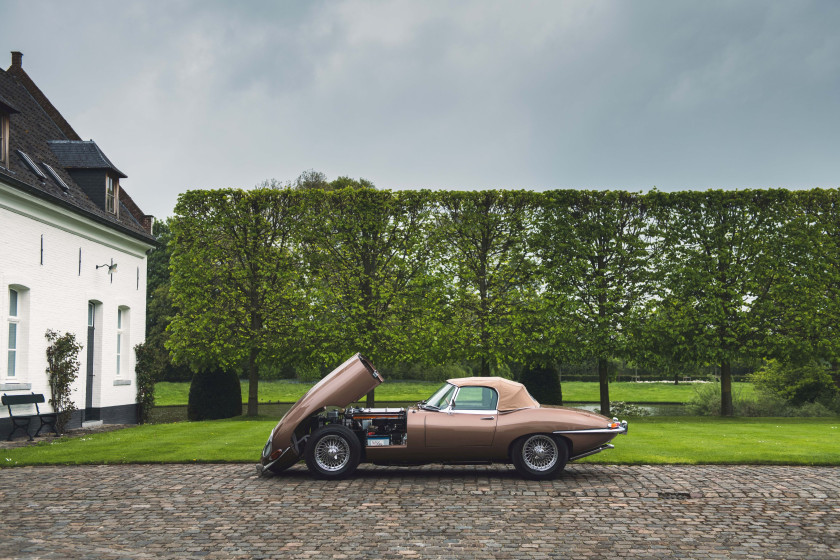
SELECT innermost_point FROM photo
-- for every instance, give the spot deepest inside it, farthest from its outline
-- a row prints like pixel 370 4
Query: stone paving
pixel 592 511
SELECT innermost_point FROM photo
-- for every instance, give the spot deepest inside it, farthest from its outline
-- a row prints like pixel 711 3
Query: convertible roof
pixel 512 395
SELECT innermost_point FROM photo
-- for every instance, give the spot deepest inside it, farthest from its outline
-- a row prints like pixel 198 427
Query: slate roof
pixel 6 106
pixel 84 154
pixel 33 132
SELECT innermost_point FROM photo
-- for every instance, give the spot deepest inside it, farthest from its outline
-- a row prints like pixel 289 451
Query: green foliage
pixel 720 263
pixel 146 379
pixel 236 281
pixel 159 311
pixel 214 394
pixel 62 370
pixel 543 383
pixel 804 317
pixel 312 180
pixel 307 275
pixel 706 402
pixel 595 252
pixel 797 385
pixel 308 374
pixel 365 253
pixel 492 299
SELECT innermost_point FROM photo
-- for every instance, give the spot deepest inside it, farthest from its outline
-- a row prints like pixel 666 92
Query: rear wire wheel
pixel 333 452
pixel 539 456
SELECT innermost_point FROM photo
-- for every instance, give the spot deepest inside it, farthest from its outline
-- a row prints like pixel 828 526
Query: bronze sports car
pixel 468 420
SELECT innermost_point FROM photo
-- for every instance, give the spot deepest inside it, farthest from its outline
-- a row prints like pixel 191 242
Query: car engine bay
pixel 376 427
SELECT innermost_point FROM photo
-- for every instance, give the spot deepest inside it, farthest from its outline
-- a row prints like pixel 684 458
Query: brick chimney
pixel 16 70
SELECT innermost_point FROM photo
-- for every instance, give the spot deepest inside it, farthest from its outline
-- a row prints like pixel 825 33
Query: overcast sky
pixel 443 95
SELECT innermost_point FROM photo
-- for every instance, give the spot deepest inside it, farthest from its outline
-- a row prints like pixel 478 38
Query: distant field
pixel 167 393
pixel 650 441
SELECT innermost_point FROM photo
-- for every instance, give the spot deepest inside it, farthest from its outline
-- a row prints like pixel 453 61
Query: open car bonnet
pixel 345 384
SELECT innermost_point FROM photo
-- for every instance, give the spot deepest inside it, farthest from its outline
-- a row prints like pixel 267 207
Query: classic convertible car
pixel 467 420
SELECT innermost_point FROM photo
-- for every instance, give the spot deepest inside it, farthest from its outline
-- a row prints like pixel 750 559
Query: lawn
pixel 651 440
pixel 167 393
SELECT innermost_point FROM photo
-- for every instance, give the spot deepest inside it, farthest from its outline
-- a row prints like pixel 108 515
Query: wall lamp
pixel 112 268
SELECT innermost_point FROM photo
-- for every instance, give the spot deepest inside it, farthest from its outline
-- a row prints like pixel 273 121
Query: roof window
pixel 112 186
pixel 4 139
pixel 31 164
pixel 56 177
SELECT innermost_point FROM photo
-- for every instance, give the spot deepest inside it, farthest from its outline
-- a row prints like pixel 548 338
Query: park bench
pixel 21 422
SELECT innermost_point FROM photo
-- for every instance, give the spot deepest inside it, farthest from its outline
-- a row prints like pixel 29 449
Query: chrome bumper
pixel 619 429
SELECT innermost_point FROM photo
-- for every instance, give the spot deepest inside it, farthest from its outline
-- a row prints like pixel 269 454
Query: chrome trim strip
pixel 622 429
pixel 593 451
pixel 619 430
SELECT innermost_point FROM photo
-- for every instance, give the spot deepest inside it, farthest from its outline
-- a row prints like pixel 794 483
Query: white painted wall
pixel 58 292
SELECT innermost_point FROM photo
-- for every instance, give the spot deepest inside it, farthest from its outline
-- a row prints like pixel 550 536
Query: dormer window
pixel 4 139
pixel 112 186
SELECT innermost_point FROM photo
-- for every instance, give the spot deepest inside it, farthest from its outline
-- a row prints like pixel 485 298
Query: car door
pixel 468 422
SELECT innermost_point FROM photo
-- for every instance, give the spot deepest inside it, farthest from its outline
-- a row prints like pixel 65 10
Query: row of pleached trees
pixel 283 275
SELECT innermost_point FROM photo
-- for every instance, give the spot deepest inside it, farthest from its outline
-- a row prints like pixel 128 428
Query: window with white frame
pixel 122 339
pixel 111 187
pixel 4 140
pixel 15 340
pixel 14 323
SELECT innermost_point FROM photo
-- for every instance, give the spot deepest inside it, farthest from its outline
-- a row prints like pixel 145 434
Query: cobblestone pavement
pixel 592 511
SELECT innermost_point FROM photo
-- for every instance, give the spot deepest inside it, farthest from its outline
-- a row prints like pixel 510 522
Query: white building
pixel 73 249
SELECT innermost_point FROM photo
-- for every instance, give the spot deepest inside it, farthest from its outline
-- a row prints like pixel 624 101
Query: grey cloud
pixel 469 94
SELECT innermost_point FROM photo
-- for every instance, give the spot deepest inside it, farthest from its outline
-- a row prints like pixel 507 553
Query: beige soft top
pixel 512 395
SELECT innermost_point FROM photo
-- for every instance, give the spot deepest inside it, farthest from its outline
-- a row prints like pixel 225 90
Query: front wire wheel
pixel 333 452
pixel 539 456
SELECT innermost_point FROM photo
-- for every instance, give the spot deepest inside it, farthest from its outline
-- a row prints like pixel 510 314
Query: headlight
pixel 267 449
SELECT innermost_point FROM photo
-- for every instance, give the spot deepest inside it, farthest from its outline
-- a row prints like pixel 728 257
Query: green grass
pixel 235 440
pixel 629 391
pixel 167 393
pixel 709 440
pixel 652 440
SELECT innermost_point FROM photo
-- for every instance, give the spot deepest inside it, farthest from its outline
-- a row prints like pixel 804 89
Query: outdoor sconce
pixel 112 268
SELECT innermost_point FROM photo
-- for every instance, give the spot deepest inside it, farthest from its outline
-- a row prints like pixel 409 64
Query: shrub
pixel 146 379
pixel 621 408
pixel 62 370
pixel 706 402
pixel 543 382
pixel 214 394
pixel 797 385
pixel 309 373
pixel 440 373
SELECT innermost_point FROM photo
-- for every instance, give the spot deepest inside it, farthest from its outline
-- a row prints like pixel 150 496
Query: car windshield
pixel 441 398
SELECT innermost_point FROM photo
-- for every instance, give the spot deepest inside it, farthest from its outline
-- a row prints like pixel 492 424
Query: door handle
pixel 489 418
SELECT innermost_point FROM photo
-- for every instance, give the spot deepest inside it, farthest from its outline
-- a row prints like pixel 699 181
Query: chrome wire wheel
pixel 540 453
pixel 332 453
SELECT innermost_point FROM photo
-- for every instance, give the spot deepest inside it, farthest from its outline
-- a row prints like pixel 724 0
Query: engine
pixel 376 427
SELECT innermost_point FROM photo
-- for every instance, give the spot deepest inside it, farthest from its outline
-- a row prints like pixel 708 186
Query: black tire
pixel 539 456
pixel 333 452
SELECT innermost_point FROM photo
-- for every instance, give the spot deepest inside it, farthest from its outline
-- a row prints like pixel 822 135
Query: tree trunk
pixel 253 383
pixel 605 386
pixel 485 367
pixel 726 389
